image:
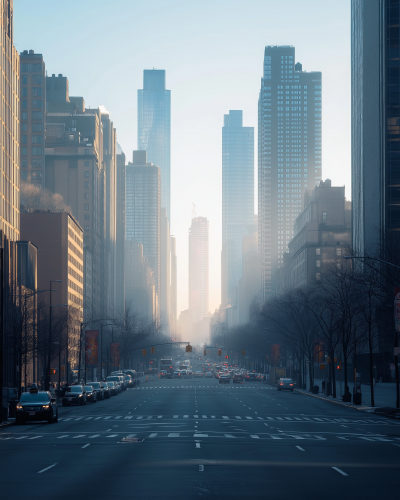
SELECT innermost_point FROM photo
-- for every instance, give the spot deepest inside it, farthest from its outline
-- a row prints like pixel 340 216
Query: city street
pixel 195 438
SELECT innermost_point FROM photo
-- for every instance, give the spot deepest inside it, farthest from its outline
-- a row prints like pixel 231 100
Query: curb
pixel 367 409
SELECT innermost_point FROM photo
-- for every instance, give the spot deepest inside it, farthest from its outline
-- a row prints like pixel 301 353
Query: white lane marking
pixel 254 436
pixel 94 436
pixel 229 436
pixel 159 416
pixel 86 445
pixel 139 418
pixel 131 435
pixel 279 418
pixel 201 468
pixel 395 444
pixel 300 448
pixel 47 468
pixel 321 438
pixel 381 439
pixel 197 445
pixel 340 437
pixel 119 416
pixel 63 436
pixel 239 418
pixel 226 417
pixel 173 434
pixel 175 416
pixel 260 418
pixel 66 419
pixel 98 418
pixel 90 418
pixel 366 439
pixel 153 435
pixel 22 437
pixel 319 419
pixel 270 418
pixel 204 416
pixel 80 418
pixel 288 418
pixel 106 418
pixel 200 435
pixel 36 437
pixel 79 436
pixel 276 437
pixel 249 418
pixel 112 436
pixel 212 416
pixel 340 471
pixel 127 418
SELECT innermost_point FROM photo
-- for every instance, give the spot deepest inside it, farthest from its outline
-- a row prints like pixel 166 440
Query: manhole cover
pixel 132 440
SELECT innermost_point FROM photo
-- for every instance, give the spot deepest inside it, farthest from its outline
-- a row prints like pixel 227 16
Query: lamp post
pixel 47 378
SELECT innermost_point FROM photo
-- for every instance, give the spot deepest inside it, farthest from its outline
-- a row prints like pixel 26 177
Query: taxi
pixel 36 406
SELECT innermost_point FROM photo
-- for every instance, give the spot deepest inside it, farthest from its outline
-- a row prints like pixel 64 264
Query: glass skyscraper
pixel 289 152
pixel 198 269
pixel 237 199
pixel 375 122
pixel 154 128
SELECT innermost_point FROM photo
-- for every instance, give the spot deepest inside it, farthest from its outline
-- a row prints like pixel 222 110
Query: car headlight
pixel 46 407
pixel 19 407
pixel 80 395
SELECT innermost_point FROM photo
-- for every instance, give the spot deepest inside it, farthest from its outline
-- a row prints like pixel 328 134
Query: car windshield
pixel 39 397
pixel 75 389
pixel 287 380
pixel 94 384
pixel 88 388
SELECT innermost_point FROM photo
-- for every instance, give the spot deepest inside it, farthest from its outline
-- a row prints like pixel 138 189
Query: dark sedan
pixel 106 390
pixel 37 406
pixel 91 395
pixel 75 396
pixel 97 389
pixel 223 379
pixel 285 384
pixel 112 388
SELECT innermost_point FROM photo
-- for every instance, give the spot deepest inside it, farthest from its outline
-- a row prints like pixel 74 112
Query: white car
pixel 198 374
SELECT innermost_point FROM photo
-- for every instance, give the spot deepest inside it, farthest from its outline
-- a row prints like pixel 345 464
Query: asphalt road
pixel 195 438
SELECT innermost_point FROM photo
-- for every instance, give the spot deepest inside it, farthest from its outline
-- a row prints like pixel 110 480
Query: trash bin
pixel 315 389
pixel 12 408
pixel 357 398
pixel 346 398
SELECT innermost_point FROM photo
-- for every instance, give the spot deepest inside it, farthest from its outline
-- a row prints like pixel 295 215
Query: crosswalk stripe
pixel 226 418
pixel 200 435
pixel 119 416
pixel 173 434
pixel 153 435
pixel 127 418
pixel 175 416
pixel 139 418
pixel 276 437
pixel 64 436
pixel 131 435
pixel 79 436
pixel 239 418
pixel 35 437
pixel 321 438
pixel 229 436
pixel 204 416
pixel 185 416
pixel 254 436
pixel 106 418
pixel 341 437
pixel 112 436
pixel 97 418
pixel 22 437
pixel 94 436
pixel 90 418
pixel 249 418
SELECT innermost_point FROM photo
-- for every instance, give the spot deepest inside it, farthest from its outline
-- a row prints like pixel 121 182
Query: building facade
pixel 9 123
pixel 33 117
pixel 165 269
pixel 173 318
pixel 154 128
pixel 198 269
pixel 237 199
pixel 120 233
pixel 143 211
pixel 375 79
pixel 289 153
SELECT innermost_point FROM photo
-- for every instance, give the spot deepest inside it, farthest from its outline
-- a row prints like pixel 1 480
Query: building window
pixel 86 217
pixel 24 163
pixel 24 139
pixel 37 151
pixel 24 91
pixel 37 92
pixel 37 104
pixel 317 276
pixel 24 127
pixel 24 151
pixel 86 206
pixel 73 123
pixel 86 196
pixel 37 139
pixel 24 175
pixel 86 163
pixel 86 174
pixel 24 115
pixel 86 228
pixel 86 185
pixel 318 263
pixel 37 115
pixel 324 216
pixel 24 103
pixel 37 163
pixel 37 80
pixel 36 175
pixel 317 251
pixel 338 251
pixel 87 151
pixel 24 79
pixel 36 127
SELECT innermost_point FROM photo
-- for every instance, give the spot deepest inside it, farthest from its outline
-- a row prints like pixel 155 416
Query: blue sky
pixel 212 52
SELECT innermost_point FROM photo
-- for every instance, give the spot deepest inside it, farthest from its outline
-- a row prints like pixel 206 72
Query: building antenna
pixel 193 211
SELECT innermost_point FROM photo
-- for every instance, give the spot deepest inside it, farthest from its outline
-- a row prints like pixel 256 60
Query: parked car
pixel 76 395
pixel 37 406
pixel 285 384
pixel 97 389
pixel 91 395
pixel 106 390
pixel 112 388
pixel 115 378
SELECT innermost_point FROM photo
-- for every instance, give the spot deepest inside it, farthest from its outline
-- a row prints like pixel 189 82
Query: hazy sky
pixel 212 51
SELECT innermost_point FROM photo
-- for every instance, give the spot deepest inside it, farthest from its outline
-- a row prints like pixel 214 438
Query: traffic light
pixel 339 366
pixel 219 352
pixel 226 357
pixel 243 353
pixel 144 352
pixel 153 350
pixel 205 352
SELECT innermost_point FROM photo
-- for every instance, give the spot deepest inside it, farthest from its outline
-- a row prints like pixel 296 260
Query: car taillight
pixel 291 384
pixel 280 384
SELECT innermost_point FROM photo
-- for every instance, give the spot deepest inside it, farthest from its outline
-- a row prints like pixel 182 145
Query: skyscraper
pixel 143 211
pixel 237 199
pixel 9 123
pixel 154 128
pixel 375 121
pixel 174 291
pixel 33 117
pixel 289 152
pixel 198 269
pixel 120 233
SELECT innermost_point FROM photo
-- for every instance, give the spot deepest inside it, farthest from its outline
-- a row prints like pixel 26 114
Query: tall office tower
pixel 198 269
pixel 237 199
pixel 33 117
pixel 289 153
pixel 165 269
pixel 75 169
pixel 154 128
pixel 143 211
pixel 9 123
pixel 375 163
pixel 120 250
pixel 173 301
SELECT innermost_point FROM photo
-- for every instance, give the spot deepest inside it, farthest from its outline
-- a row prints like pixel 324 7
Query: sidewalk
pixel 384 394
